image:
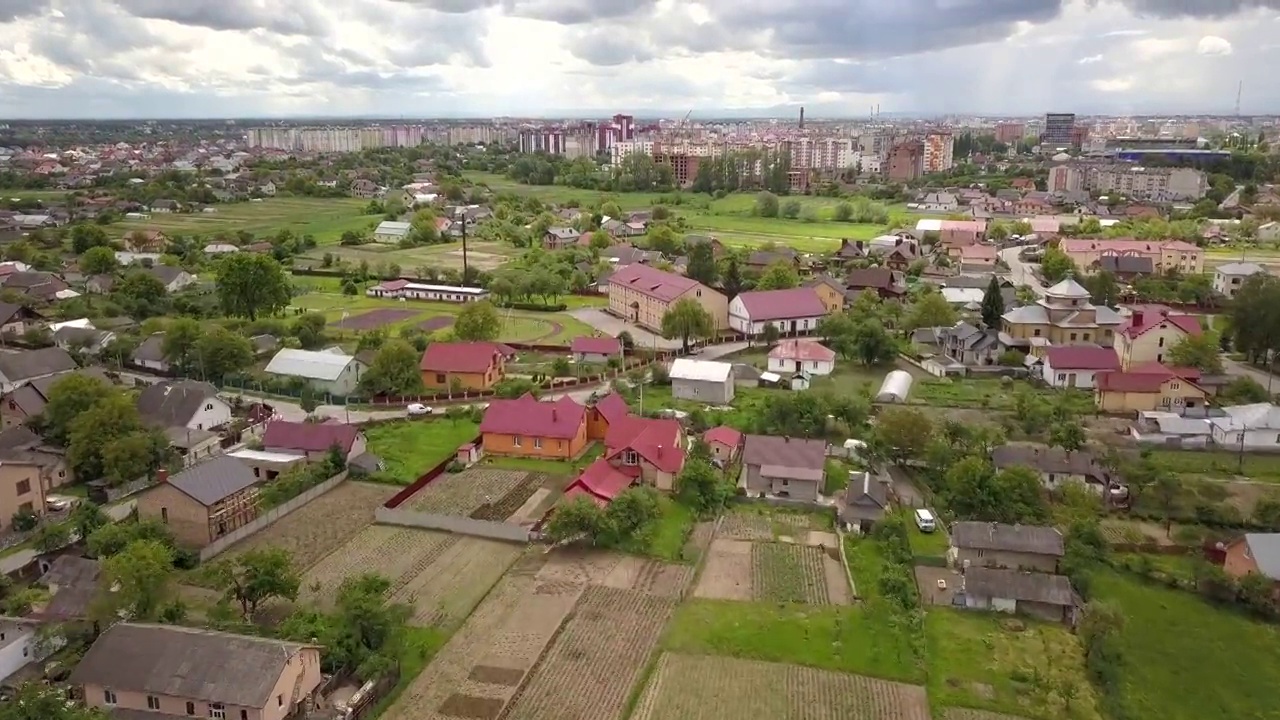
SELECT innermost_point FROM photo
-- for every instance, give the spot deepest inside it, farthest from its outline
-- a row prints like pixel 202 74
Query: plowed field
pixel 466 492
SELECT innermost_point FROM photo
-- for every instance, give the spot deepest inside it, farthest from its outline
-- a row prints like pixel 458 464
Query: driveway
pixel 1022 273
pixel 612 326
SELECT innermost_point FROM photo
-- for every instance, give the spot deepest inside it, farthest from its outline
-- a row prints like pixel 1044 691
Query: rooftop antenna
pixel 1239 92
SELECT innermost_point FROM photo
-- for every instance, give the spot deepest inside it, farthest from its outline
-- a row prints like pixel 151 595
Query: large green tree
pixel 221 352
pixel 702 264
pixel 67 399
pixel 250 284
pixel 394 370
pixel 477 321
pixel 257 576
pixel 687 320
pixel 992 304
pixel 140 577
pixel 781 275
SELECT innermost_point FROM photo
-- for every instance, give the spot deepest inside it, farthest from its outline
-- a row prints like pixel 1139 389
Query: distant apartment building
pixel 824 154
pixel 1165 255
pixel 1057 129
pixel 1010 133
pixel 335 139
pixel 539 140
pixel 906 161
pixel 1162 184
pixel 938 148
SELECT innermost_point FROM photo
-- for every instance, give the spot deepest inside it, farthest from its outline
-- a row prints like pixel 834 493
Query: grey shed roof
pixel 174 402
pixel 1016 585
pixel 214 480
pixel 183 662
pixel 787 452
pixel 151 349
pixel 1265 548
pixel 1010 538
pixel 165 273
pixel 34 363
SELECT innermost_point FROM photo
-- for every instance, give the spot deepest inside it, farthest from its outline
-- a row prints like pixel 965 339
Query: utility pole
pixel 461 215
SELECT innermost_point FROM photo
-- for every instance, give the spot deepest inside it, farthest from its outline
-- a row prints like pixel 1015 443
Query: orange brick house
pixel 637 451
pixel 1255 553
pixel 525 427
pixel 606 411
pixel 470 365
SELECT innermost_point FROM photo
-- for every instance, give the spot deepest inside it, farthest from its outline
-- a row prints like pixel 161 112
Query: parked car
pixel 59 503
pixel 418 410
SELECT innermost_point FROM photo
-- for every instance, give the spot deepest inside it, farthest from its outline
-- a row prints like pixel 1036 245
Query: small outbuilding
pixel 895 388
pixel 702 380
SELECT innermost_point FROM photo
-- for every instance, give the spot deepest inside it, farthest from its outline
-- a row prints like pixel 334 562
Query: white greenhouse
pixel 895 388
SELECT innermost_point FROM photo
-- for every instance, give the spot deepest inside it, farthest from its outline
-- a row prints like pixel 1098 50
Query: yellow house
pixel 1064 316
pixel 642 295
pixel 1150 332
pixel 1131 392
pixel 830 292
pixel 1165 255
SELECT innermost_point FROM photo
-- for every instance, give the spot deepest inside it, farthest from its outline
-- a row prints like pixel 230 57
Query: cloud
pixel 1114 84
pixel 1213 45
pixel 288 17
pixel 1090 60
pixel 1197 8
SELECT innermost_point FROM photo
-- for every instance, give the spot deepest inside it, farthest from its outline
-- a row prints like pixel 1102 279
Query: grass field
pixel 481 255
pixel 325 218
pixel 411 447
pixel 1220 463
pixel 1184 659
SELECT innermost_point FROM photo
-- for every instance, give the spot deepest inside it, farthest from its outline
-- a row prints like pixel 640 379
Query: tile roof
pixel 784 451
pixel 201 665
pixel 612 406
pixel 724 435
pixel 28 364
pixel 1120 245
pixel 600 482
pixel 526 416
pixel 596 345
pixel 1137 382
pixel 657 441
pixel 309 437
pixel 1016 585
pixel 803 350
pixel 766 305
pixel 1082 357
pixel 460 357
pixel 1011 538
pixel 652 282
pixel 213 480
pixel 1142 322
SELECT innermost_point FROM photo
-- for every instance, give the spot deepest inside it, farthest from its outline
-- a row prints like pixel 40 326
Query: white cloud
pixel 1114 85
pixel 1213 45
pixel 1090 60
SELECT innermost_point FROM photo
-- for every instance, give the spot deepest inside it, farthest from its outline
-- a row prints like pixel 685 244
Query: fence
pixel 452 523
pixel 271 516
pixel 423 480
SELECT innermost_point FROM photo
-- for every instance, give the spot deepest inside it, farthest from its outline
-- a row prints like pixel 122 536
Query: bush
pixel 25 520
pixel 534 307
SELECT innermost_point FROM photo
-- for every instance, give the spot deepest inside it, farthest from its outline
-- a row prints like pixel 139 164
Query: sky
pixel 550 58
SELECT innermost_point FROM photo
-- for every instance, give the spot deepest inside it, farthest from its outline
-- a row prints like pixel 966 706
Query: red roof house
pixel 586 349
pixel 312 439
pixel 1075 366
pixel 606 411
pixel 600 483
pixel 463 365
pixel 1153 387
pixel 654 446
pixel 724 441
pixel 526 427
pixel 801 307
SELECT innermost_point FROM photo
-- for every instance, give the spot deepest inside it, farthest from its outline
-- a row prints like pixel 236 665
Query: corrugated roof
pixel 1016 585
pixel 213 480
pixel 1082 357
pixel 309 437
pixel 526 416
pixel 766 305
pixel 1012 538
pixel 460 357
pixel 704 370
pixel 309 364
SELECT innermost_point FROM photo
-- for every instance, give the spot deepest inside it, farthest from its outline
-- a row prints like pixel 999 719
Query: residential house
pixel 1055 465
pixel 173 278
pixel 982 281
pixel 146 241
pixel 19 444
pixel 165 206
pixel 637 450
pixel 203 502
pixel 264 345
pixel 864 502
pixel 1255 553
pixel 150 354
pixel 186 404
pixel 18 319
pixel 219 248
pixel 849 251
pixel 19 645
pixel 623 255
pixel 761 260
pixel 997 545
pixel 85 340
pixel 1147 387
pixel 969 345
pixel 30 399
pixel 783 466
pixel 938 202
pixel 1229 278
pixel 642 295
pixel 975 258
pixel 464 366
pixel 1036 594
pixel 73 586
pixel 1150 332
pixel 1075 366
pixel 525 427
pixel 796 356
pixel 332 373
pixel 1165 255
pixel 20 368
pixel 313 441
pixel 1255 426
pixel 595 349
pixel 717 247
pixel 888 283
pixel 1064 316
pixel 1126 268
pixel 795 310
pixel 559 238
pixel 702 380
pixel 724 442
pixel 138 671
pixel 959 233
pixel 830 291
pixel 392 232
pixel 603 413
pixel 1269 232
pixel 901 256
pixel 364 189
pixel 37 285
pixel 409 290
pixel 21 489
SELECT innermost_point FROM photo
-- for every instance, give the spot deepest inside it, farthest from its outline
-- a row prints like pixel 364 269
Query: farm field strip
pixel 449 588
pixel 596 659
pixel 693 687
pixel 650 577
pixel 782 572
pixel 466 492
pixel 322 525
pixel 745 526
pixel 398 554
pixel 504 507
pixel 727 572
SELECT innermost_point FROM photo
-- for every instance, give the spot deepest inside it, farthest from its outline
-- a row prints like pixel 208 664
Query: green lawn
pixel 324 218
pixel 411 447
pixel 561 468
pixel 923 544
pixel 985 393
pixel 1021 667
pixel 846 639
pixel 1184 659
pixel 1219 463
pixel 668 536
pixel 417 646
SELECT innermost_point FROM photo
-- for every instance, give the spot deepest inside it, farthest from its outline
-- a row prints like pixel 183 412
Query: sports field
pixel 324 218
pixel 480 255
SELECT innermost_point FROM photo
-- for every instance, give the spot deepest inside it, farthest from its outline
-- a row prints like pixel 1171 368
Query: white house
pixel 220 249
pixel 183 404
pixel 390 231
pixel 1076 366
pixel 1269 231
pixel 19 646
pixel 797 356
pixel 421 291
pixel 150 354
pixel 335 373
pixel 797 310
pixel 1228 278
pixel 702 380
pixel 1250 426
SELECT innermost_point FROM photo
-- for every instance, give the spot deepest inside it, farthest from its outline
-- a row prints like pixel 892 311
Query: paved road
pixel 1235 367
pixel 613 326
pixel 1022 273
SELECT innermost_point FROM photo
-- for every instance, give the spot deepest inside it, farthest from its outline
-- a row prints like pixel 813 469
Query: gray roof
pixel 1017 585
pixel 165 273
pixel 784 452
pixel 1033 539
pixel 214 480
pixel 190 663
pixel 173 402
pixel 865 497
pixel 151 349
pixel 1048 460
pixel 1265 548
pixel 1240 268
pixel 76 580
pixel 1126 264
pixel 34 363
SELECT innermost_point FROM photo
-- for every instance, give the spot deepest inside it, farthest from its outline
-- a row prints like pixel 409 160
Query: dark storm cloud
pixel 606 49
pixel 1197 8
pixel 13 9
pixel 91 41
pixel 287 17
pixel 565 12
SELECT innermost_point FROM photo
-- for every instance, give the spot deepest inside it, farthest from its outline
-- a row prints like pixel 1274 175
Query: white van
pixel 925 521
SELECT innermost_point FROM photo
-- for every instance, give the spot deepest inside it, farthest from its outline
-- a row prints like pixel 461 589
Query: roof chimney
pixel 859 244
pixel 553 414
pixel 1137 318
pixel 162 475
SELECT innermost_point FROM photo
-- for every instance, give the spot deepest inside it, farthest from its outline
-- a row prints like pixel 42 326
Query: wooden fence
pixel 423 480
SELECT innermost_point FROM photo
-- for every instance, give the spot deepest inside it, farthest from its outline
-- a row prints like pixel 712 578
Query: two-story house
pixel 997 545
pixel 887 283
pixel 525 427
pixel 21 488
pixel 139 671
pixel 463 365
pixel 1150 332
pixel 637 451
pixel 783 466
pixel 203 502
pixel 642 295
pixel 1229 278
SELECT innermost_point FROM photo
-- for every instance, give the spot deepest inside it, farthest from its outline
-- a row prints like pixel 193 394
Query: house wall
pixel 20 488
pixel 345 384
pixel 1151 346
pixel 300 678
pixel 214 413
pixel 17 649
pixel 1229 285
pixel 831 298
pixel 651 310
pixel 1058 335
pixel 13 415
pixel 1239 562
pixel 1003 559
pixel 722 452
pixel 813 367
pixel 807 490
pixel 469 381
pixel 186 518
pixel 591 358
pixel 1064 378
pixel 707 391
pixel 597 425
pixel 534 447
pixel 1172 395
pixel 1265 438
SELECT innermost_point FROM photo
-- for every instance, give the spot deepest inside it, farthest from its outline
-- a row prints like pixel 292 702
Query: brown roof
pixel 309 437
pixel 526 416
pixel 1017 585
pixel 785 452
pixel 766 305
pixel 652 282
pixel 1033 539
pixel 191 663
pixel 460 357
pixel 879 278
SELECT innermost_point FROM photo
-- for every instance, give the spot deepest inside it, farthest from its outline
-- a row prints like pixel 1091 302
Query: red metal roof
pixel 596 345
pixel 652 282
pixel 600 481
pixel 1141 321
pixel 392 285
pixel 561 419
pixel 1082 357
pixel 1149 380
pixel 309 437
pixel 765 305
pixel 724 435
pixel 464 357
pixel 805 350
pixel 657 441
pixel 612 407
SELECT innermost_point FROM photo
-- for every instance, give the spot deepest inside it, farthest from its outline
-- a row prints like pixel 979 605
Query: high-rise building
pixel 906 161
pixel 1057 129
pixel 1010 132
pixel 938 149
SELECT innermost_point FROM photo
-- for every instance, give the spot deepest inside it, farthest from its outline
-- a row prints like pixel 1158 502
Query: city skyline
pixel 566 58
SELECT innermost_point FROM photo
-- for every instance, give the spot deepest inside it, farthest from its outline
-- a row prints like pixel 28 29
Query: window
pixel 1062 377
pixel 153 702
pixel 27 507
pixel 108 697
pixel 244 715
pixel 440 378
pixel 1037 332
pixel 537 443
pixel 191 708
pixel 516 440
pixel 25 649
pixel 164 515
pixel 1073 336
pixel 1161 343
pixel 630 457
pixel 217 710
pixel 24 487
pixel 1085 337
pixel 208 406
pixel 279 701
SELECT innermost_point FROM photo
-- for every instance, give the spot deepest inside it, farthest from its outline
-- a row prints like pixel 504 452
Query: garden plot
pixel 650 577
pixel 322 525
pixel 774 572
pixel 449 588
pixel 691 687
pixel 466 492
pixel 758 526
pixel 727 573
pixel 398 554
pixel 596 659
pixel 504 507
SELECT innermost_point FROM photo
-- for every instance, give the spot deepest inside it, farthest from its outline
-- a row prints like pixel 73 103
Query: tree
pixel 37 701
pixel 477 321
pixel 221 352
pixel 105 427
pixel 179 344
pixel 791 209
pixel 1103 288
pixel 843 212
pixel 770 334
pixel 98 261
pixel 84 237
pixel 1056 265
pixel 132 456
pixel 141 574
pixel 767 205
pixel 142 294
pixel 52 536
pixel 702 487
pixel 251 284
pixel 903 433
pixel 1068 434
pixel 1198 351
pixel 1167 492
pixel 601 240
pixel 394 370
pixel 931 310
pixel 68 398
pixel 731 280
pixel 702 264
pixel 686 319
pixel 579 517
pixel 992 304
pixel 257 576
pixel 781 275
pixel 85 518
